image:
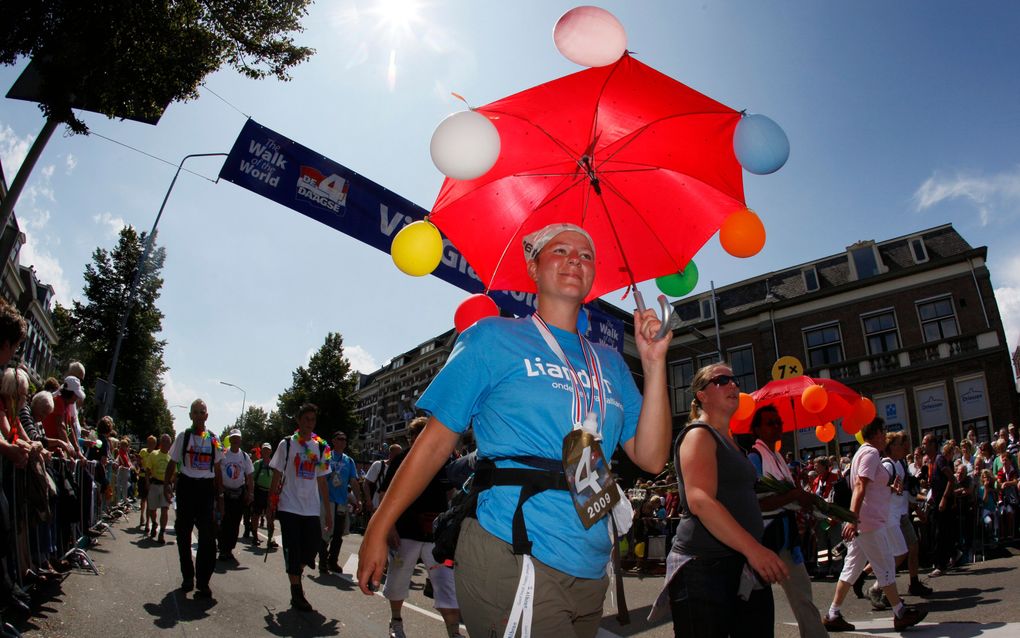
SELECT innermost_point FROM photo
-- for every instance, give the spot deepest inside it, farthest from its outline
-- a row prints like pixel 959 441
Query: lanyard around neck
pixel 582 405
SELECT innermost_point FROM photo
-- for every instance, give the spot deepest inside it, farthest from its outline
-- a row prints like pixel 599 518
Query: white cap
pixel 233 433
pixel 72 384
pixel 536 241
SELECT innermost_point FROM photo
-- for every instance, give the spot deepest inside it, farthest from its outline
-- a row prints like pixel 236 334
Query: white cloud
pixel 361 359
pixel 33 216
pixel 991 196
pixel 70 162
pixel 1007 297
pixel 13 150
pixel 114 224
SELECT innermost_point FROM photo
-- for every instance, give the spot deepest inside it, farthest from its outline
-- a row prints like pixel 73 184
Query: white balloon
pixel 590 36
pixel 465 145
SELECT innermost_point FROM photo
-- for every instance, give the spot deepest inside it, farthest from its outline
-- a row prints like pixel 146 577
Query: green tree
pixel 329 382
pixel 88 329
pixel 129 59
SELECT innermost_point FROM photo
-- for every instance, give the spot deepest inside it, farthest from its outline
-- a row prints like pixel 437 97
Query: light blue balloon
pixel 760 145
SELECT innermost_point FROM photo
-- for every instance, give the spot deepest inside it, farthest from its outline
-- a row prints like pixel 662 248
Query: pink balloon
pixel 590 36
pixel 472 310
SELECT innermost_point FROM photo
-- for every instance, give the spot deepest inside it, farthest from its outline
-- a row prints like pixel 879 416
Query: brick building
pixel 910 322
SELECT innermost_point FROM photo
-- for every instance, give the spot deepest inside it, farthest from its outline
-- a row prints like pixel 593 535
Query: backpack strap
pixel 544 474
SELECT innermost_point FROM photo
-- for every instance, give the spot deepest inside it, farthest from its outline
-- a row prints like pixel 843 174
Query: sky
pixel 901 116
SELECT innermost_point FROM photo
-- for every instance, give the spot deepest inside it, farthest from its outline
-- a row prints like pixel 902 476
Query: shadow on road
pixel 638 622
pixel 300 623
pixel 176 607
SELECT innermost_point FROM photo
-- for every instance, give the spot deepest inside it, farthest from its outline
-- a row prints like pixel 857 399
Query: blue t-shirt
pixel 342 470
pixel 503 379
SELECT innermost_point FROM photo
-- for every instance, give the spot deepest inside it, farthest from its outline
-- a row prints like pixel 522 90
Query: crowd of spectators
pixel 979 514
pixel 60 481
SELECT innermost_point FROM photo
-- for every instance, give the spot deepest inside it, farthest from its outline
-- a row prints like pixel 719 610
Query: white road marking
pixel 884 626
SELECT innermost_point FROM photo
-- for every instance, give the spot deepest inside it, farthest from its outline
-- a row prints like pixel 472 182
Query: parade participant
pixel 781 523
pixel 122 461
pixel 374 476
pixel 940 495
pixel 260 500
pixel 143 484
pixel 238 490
pixel 532 387
pixel 717 571
pixel 412 540
pixel 199 488
pixel 867 540
pixel 896 449
pixel 155 464
pixel 342 471
pixel 300 466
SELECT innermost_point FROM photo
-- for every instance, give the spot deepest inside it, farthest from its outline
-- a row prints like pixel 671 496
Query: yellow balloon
pixel 859 436
pixel 417 248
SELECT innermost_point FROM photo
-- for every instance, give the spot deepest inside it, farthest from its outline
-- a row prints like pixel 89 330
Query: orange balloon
pixel 742 234
pixel 825 432
pixel 779 444
pixel 814 399
pixel 746 407
pixel 864 411
pixel 851 425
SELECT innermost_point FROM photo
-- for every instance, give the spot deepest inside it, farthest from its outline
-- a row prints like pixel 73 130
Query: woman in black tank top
pixel 721 524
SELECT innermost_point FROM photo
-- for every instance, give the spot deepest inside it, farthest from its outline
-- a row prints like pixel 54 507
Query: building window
pixel 824 345
pixel 742 362
pixel 706 308
pixel 880 332
pixel 865 261
pixel 811 279
pixel 938 320
pixel 918 250
pixel 682 372
pixel 428 348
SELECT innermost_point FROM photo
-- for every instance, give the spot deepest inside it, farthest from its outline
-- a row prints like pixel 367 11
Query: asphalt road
pixel 135 595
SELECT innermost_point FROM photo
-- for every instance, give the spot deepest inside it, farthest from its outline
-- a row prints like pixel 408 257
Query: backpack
pixel 841 492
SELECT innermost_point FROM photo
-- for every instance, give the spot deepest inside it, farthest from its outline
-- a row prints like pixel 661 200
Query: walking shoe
pixel 161 540
pixel 859 586
pixel 911 616
pixel 917 588
pixel 300 603
pixel 203 593
pixel 255 541
pixel 877 598
pixel 397 629
pixel 335 568
pixel 246 534
pixel 935 573
pixel 187 585
pixel 272 544
pixel 837 623
pixel 152 533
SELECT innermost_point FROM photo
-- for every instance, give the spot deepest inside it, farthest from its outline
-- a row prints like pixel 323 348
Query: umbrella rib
pixel 651 231
pixel 595 115
pixel 636 133
pixel 552 137
pixel 616 236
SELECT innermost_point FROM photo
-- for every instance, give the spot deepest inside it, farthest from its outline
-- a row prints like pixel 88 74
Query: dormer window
pixel 918 250
pixel 865 261
pixel 810 279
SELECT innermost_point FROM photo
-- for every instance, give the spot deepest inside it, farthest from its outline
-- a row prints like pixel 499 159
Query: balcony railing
pixel 923 354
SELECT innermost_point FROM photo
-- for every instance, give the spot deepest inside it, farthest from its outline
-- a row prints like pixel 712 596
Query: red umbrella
pixel 785 395
pixel 642 162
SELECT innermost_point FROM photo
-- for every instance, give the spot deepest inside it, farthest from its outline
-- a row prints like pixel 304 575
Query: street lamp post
pixel 244 397
pixel 107 405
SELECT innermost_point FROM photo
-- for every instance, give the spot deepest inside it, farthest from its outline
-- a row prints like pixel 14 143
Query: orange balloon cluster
pixel 814 399
pixel 825 432
pixel 742 234
pixel 863 414
pixel 746 407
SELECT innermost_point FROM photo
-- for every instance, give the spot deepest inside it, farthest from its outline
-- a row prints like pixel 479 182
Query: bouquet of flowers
pixel 822 508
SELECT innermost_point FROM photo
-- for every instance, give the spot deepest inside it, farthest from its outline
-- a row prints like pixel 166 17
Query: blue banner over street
pixel 269 164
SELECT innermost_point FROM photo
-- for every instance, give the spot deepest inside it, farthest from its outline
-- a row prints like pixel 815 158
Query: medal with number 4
pixel 592 487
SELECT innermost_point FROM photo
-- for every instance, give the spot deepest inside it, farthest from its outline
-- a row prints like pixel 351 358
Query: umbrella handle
pixel 667 313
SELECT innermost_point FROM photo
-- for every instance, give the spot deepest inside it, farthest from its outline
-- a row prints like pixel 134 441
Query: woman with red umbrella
pixel 530 388
pixel 710 590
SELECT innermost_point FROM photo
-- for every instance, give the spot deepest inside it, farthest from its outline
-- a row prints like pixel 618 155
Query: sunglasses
pixel 724 380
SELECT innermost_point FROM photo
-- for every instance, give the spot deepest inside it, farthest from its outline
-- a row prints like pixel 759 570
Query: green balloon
pixel 681 283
